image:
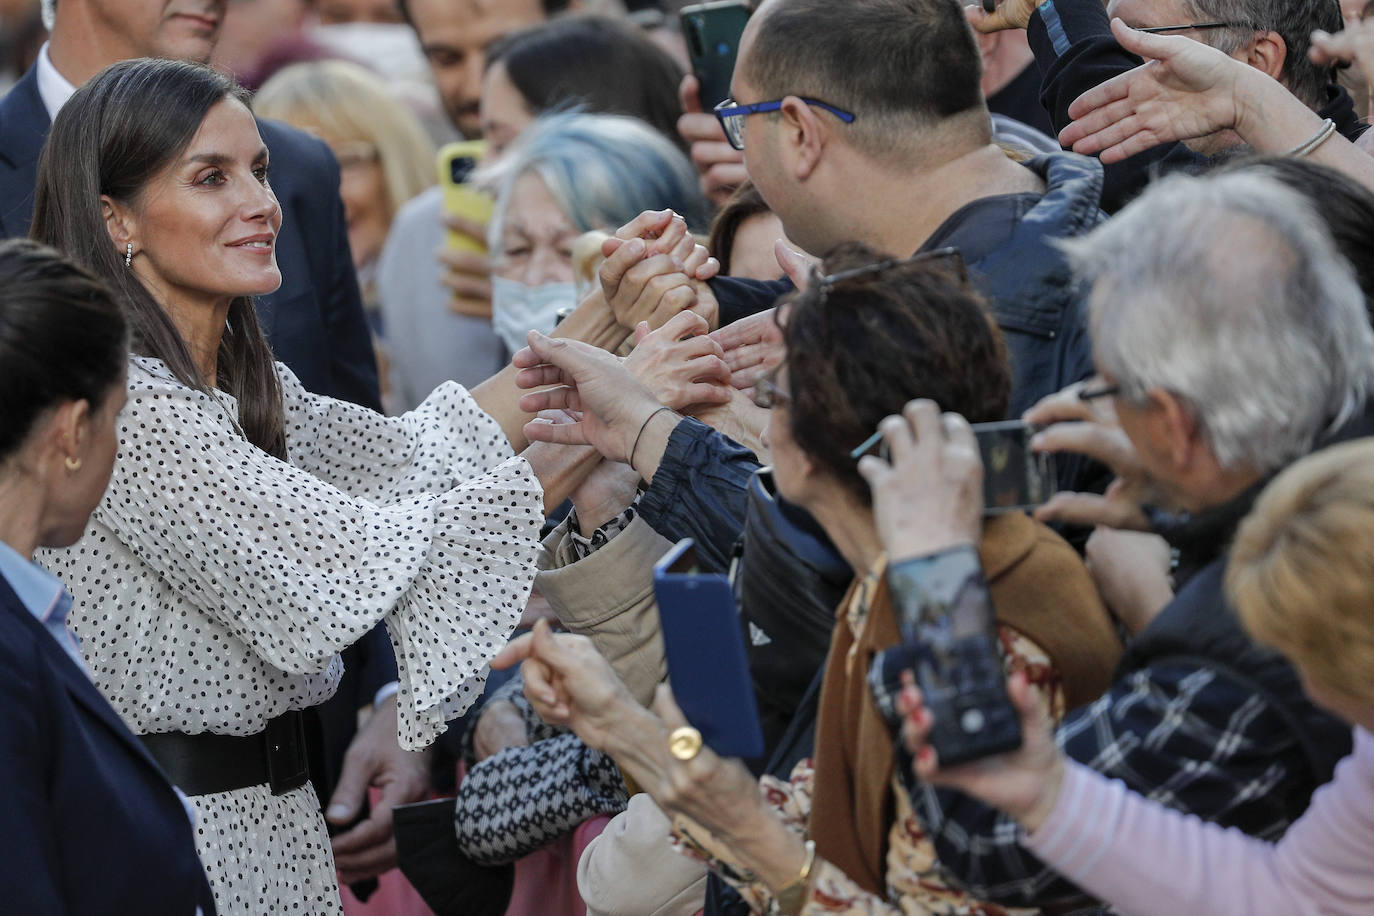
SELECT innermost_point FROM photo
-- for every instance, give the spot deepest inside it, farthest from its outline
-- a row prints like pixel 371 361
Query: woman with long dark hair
pixel 251 529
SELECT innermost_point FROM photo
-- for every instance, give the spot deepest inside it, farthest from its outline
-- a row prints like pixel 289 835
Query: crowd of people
pixel 333 482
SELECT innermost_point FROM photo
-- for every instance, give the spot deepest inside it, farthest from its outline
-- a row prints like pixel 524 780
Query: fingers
pixel 674 239
pixel 1086 509
pixel 689 93
pixel 1059 407
pixel 348 795
pixel 642 330
pixel 674 301
pixel 1145 44
pixel 1114 89
pixel 619 260
pixel 515 652
pixel 985 22
pixel 646 225
pixel 793 263
pixel 1103 443
pixel 456 223
pixel 751 330
pixel 555 433
pixel 688 324
pixel 538 375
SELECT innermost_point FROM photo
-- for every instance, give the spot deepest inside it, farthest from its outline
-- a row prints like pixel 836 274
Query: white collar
pixel 53 87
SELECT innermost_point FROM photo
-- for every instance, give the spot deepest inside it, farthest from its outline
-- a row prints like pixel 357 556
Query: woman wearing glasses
pixel 861 343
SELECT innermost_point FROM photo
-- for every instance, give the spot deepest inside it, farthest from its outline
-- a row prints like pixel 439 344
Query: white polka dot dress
pixel 216 585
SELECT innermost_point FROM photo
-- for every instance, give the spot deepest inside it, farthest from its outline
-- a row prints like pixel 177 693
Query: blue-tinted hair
pixel 603 170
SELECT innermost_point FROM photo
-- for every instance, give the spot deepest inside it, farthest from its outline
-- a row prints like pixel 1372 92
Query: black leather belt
pixel 205 763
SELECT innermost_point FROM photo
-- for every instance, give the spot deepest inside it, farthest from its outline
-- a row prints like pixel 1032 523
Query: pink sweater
pixel 1147 859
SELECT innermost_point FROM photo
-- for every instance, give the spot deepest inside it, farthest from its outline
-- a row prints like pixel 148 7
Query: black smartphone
pixel 704 645
pixel 1015 478
pixel 949 642
pixel 712 32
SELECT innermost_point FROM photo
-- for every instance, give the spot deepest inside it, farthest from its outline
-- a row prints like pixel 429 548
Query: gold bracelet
pixel 790 900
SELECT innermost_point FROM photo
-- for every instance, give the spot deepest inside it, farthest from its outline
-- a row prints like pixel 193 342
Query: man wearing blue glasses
pixel 864 121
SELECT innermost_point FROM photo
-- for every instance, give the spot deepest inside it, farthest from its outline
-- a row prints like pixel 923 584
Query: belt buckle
pixel 284 751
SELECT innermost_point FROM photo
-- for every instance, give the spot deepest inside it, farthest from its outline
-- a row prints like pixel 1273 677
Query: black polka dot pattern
pixel 216 585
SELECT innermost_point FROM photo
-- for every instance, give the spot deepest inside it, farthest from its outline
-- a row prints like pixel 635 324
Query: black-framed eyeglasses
pixel 1101 391
pixel 731 115
pixel 1200 26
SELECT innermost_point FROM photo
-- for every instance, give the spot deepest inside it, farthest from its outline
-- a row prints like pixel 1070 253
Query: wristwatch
pixel 790 900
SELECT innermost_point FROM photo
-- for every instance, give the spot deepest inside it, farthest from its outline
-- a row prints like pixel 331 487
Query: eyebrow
pixel 218 159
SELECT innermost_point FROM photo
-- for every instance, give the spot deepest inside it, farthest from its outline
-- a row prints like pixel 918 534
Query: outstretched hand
pixel 1185 89
pixel 609 402
pixel 679 364
pixel 569 683
pixel 1024 783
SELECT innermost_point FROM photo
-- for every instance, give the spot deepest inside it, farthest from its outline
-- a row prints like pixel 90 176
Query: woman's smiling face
pixel 204 229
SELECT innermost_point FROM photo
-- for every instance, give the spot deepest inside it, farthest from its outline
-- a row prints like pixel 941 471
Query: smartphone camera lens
pixel 460 169
pixel 694 25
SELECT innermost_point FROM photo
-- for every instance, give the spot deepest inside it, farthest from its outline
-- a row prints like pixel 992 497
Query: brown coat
pixel 1040 588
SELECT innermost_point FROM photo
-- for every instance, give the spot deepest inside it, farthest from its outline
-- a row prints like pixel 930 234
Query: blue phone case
pixel 707 666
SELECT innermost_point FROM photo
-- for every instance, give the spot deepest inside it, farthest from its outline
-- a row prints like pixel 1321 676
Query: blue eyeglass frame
pixel 730 109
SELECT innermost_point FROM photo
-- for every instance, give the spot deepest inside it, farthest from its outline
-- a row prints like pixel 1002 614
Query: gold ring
pixel 684 743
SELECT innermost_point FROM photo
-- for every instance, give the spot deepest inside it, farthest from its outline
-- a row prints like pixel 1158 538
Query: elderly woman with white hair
pixel 572 173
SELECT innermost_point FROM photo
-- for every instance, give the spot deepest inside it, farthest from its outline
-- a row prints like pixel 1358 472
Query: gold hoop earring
pixel 73 464
pixel 129 255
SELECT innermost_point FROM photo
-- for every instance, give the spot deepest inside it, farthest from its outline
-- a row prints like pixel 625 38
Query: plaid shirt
pixel 1177 732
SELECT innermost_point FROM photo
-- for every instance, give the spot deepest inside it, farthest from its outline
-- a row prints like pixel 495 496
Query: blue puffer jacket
pixel 1008 245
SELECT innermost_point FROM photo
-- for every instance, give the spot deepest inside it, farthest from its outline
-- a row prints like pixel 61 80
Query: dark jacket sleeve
pixel 1076 51
pixel 701 491
pixel 30 866
pixel 739 298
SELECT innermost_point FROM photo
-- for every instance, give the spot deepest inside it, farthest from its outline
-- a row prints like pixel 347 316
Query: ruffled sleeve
pixel 298 567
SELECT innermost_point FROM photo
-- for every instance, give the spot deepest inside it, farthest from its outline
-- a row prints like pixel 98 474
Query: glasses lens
pixel 732 124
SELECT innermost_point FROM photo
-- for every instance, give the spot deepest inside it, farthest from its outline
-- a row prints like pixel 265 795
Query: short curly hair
pixel 1301 570
pixel 859 349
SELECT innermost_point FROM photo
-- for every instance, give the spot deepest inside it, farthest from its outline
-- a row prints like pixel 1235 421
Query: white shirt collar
pixel 53 87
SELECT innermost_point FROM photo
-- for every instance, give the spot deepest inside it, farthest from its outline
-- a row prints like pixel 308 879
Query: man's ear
pixel 805 135
pixel 1268 54
pixel 1174 423
pixel 119 222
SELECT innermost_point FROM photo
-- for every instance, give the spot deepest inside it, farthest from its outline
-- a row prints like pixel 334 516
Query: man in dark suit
pixel 315 324
pixel 88 815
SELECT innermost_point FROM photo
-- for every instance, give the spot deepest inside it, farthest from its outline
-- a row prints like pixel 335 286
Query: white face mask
pixel 516 308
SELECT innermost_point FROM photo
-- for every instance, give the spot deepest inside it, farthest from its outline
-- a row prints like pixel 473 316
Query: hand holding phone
pixel 704 644
pixel 712 31
pixel 950 644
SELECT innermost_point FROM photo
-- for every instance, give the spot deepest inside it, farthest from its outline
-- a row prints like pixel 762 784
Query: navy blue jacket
pixel 1075 51
pixel 314 322
pixel 1007 242
pixel 89 824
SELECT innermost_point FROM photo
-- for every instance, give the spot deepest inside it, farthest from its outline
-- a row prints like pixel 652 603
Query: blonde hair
pixel 344 101
pixel 1301 571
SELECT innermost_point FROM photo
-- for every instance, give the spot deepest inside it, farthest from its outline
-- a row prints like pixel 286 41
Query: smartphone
pixel 989 6
pixel 704 644
pixel 712 32
pixel 456 162
pixel 949 642
pixel 1015 478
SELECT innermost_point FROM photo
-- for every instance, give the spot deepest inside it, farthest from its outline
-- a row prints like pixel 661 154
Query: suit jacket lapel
pixel 24 125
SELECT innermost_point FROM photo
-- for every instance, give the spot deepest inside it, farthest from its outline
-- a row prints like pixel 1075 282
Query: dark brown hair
pixel 62 338
pixel 746 202
pixel 114 136
pixel 594 63
pixel 859 349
